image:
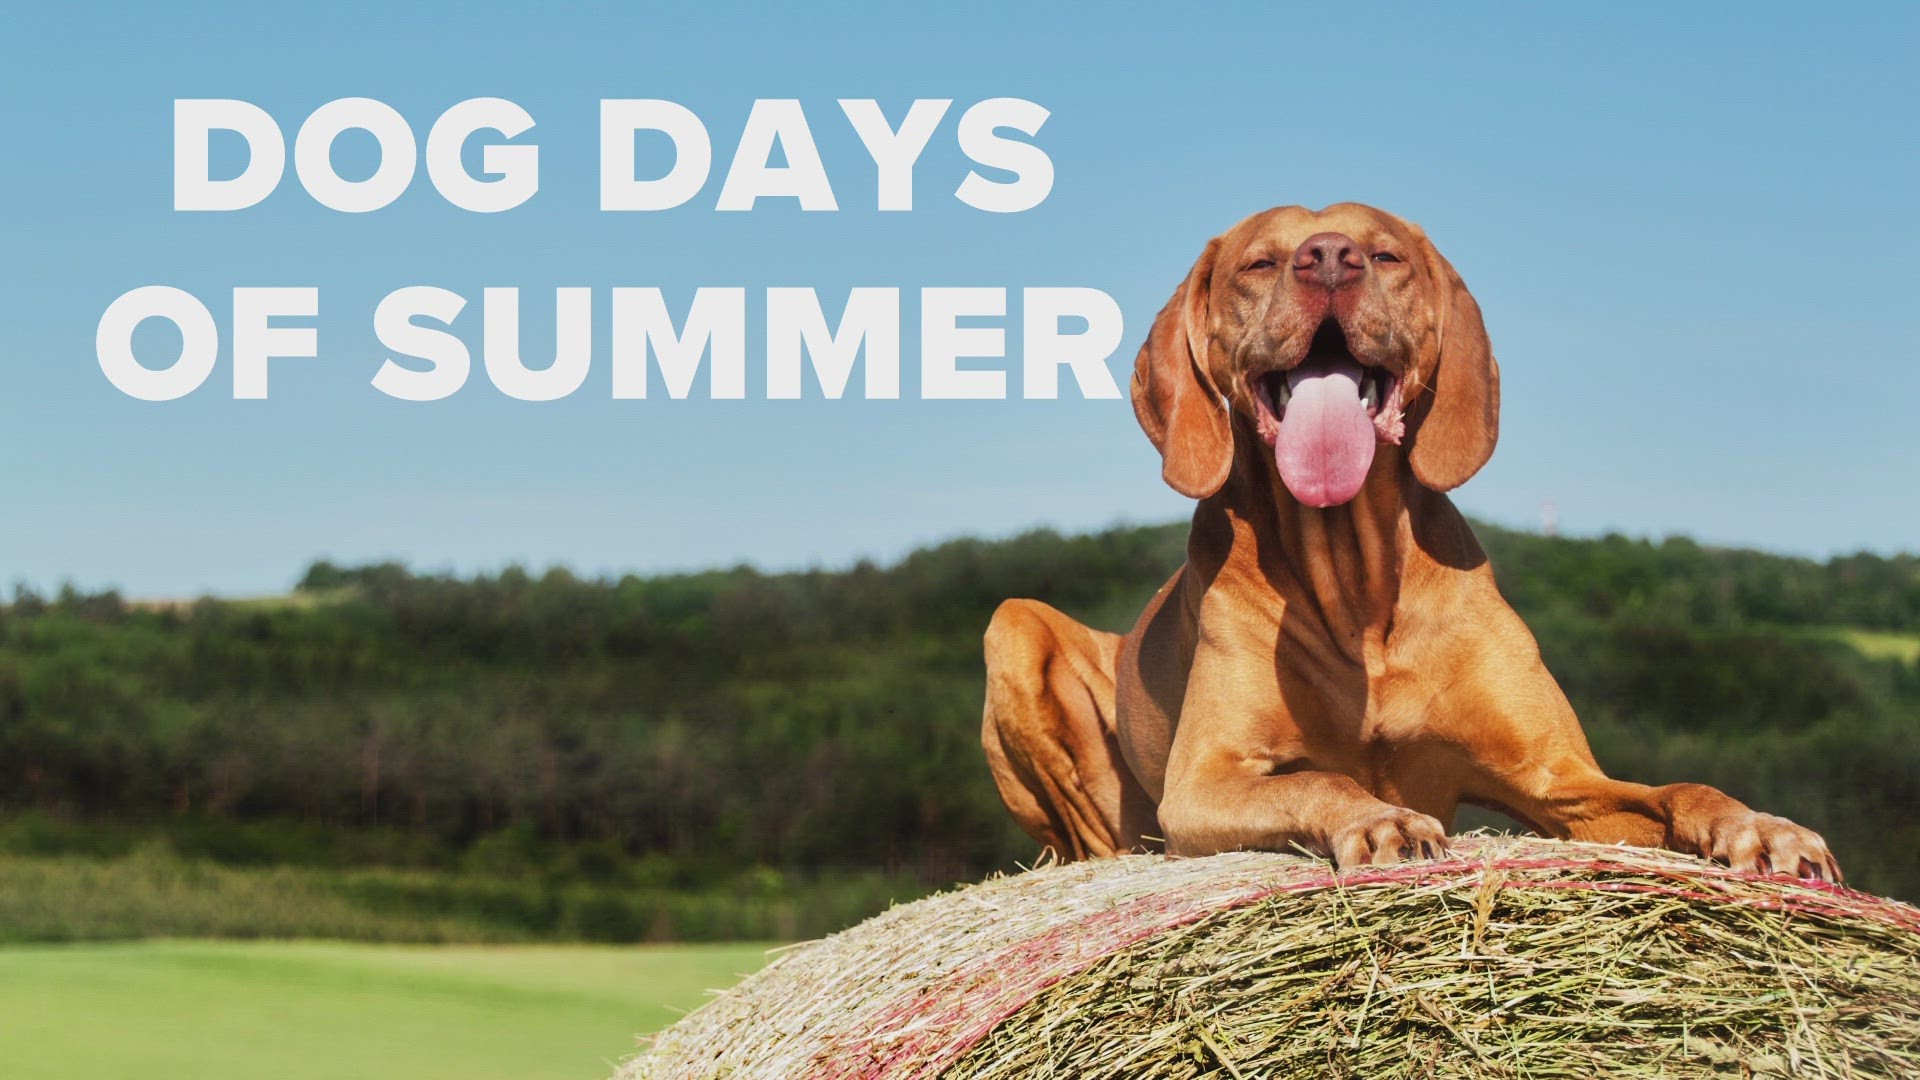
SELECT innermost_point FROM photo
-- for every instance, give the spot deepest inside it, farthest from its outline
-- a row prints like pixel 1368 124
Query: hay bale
pixel 1518 957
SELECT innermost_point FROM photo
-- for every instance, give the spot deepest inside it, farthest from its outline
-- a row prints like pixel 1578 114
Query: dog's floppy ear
pixel 1462 422
pixel 1173 396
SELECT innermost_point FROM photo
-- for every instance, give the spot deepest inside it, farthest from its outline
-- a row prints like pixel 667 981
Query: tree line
pixel 828 719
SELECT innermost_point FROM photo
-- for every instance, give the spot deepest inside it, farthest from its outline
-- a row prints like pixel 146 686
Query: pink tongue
pixel 1326 438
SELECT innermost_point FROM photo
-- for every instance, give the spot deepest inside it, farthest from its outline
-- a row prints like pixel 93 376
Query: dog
pixel 1333 668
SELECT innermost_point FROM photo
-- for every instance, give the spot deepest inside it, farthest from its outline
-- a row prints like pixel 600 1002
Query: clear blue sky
pixel 1693 233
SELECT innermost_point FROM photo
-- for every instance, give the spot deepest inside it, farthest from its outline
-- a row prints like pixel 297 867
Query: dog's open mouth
pixel 1323 417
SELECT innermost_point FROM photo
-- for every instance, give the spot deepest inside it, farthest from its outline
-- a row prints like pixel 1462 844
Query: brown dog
pixel 1333 666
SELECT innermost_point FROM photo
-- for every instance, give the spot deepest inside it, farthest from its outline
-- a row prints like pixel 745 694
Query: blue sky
pixel 1693 233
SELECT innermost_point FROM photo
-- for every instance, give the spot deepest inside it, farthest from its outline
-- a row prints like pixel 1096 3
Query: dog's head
pixel 1327 333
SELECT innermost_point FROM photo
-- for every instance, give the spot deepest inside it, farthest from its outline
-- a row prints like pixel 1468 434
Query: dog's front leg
pixel 1692 818
pixel 1219 800
pixel 1530 756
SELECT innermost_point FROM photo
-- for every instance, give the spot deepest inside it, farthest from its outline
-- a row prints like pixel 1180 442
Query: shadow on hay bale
pixel 1518 957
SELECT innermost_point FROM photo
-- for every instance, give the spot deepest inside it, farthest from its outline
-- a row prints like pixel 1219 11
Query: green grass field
pixel 1881 644
pixel 150 892
pixel 213 1010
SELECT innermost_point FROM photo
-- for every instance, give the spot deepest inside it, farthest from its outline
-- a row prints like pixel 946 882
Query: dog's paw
pixel 1757 843
pixel 1395 834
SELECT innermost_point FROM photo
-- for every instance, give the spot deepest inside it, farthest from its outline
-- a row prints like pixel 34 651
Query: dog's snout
pixel 1329 259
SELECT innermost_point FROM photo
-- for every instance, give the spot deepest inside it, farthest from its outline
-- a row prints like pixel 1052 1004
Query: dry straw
pixel 1516 958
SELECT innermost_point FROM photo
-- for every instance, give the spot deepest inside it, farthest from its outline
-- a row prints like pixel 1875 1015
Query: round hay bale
pixel 1517 957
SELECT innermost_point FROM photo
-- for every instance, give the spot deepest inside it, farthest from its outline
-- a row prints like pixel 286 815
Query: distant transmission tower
pixel 1549 518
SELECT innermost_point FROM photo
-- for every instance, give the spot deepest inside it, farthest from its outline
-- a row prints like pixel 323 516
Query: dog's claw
pixel 1393 835
pixel 1765 844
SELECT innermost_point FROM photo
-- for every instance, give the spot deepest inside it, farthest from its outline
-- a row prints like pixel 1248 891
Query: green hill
pixel 697 731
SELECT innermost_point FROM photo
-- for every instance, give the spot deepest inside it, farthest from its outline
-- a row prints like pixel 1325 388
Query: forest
pixel 692 732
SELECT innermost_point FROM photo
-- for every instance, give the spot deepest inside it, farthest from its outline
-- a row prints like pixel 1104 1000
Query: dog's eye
pixel 1260 264
pixel 1385 257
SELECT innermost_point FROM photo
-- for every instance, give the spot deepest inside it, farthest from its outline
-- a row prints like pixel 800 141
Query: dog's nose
pixel 1329 259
